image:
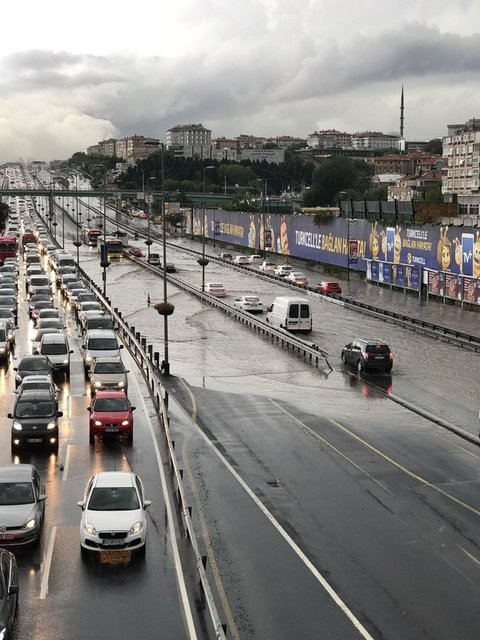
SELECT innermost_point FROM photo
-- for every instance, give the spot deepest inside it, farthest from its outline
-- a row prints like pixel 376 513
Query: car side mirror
pixel 132 408
pixel 9 415
pixel 81 504
pixel 83 346
pixel 89 409
pixel 13 588
pixel 42 497
pixel 127 370
pixel 71 351
pixel 120 346
pixel 147 503
pixel 59 414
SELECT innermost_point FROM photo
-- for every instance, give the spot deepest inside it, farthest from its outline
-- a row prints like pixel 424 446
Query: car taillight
pixel 390 355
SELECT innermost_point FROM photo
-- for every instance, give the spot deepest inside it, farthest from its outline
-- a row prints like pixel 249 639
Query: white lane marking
pixel 170 518
pixel 47 564
pixel 310 566
pixel 67 463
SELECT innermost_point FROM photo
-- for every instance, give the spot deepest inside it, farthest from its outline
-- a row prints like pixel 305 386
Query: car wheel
pixel 130 439
pixel 85 554
pixel 140 553
pixel 91 440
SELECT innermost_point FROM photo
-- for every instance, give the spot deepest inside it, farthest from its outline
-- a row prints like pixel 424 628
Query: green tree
pixel 434 146
pixel 338 174
pixel 434 194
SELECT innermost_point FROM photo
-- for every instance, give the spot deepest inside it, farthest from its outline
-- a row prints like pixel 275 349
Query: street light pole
pixel 166 363
pixel 203 227
pixel 104 255
pixel 77 242
pixel 148 241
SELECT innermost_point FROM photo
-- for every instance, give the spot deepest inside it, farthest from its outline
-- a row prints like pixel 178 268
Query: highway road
pixel 324 508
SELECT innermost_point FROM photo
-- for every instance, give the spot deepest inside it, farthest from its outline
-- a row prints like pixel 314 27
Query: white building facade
pixel 461 173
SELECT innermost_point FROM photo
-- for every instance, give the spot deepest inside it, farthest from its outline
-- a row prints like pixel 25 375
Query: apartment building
pixel 461 173
pixel 329 139
pixel 190 141
pixel 374 140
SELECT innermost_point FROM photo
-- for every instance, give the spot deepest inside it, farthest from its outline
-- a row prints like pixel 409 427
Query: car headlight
pixel 89 528
pixel 30 524
pixel 121 384
pixel 98 423
pixel 65 361
pixel 18 377
pixel 137 527
pixel 97 384
pixel 17 426
pixel 125 423
pixel 51 425
pixel 89 359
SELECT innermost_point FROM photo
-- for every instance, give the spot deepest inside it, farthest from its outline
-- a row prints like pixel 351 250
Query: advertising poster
pixel 412 278
pixel 471 290
pixel 435 247
pixel 435 283
pixel 387 273
pixel 374 271
pixel 398 278
pixel 453 286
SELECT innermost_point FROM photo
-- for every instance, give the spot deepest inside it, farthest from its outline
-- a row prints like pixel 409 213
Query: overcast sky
pixel 72 74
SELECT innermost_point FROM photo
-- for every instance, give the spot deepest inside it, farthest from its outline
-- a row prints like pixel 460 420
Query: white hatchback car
pixel 113 513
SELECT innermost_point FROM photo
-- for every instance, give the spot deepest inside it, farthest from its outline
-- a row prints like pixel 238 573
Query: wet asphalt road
pixel 328 511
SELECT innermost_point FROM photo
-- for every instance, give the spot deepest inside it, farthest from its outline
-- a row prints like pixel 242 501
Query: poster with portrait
pixel 453 288
pixel 471 288
pixel 435 283
pixel 400 275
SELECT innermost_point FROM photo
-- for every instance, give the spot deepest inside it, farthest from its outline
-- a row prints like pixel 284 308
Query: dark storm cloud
pixel 287 80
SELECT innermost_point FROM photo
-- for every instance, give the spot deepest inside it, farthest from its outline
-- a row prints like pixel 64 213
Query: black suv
pixel 35 419
pixel 366 355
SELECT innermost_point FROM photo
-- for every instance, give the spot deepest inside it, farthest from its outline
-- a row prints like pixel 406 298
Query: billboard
pixel 436 247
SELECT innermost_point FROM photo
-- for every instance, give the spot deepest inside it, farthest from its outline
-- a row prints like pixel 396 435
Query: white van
pixel 290 313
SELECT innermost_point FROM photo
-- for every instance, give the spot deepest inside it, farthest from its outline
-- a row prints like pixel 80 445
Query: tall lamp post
pixel 204 261
pixel 104 255
pixel 263 201
pixel 77 242
pixel 148 241
pixel 164 308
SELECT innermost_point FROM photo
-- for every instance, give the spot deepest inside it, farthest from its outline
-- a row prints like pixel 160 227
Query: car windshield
pixel 48 313
pixel 16 493
pixel 55 349
pixel 100 323
pixel 215 285
pixel 100 344
pixel 34 364
pixel 109 367
pixel 251 299
pixel 3 335
pixel 42 409
pixel 36 385
pixel 113 499
pixel 5 313
pixel 110 405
